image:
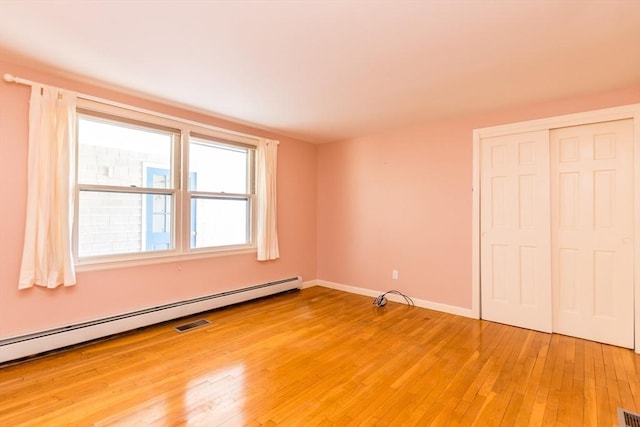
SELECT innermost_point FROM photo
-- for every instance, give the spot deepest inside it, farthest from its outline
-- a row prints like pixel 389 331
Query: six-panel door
pixel 592 231
pixel 515 230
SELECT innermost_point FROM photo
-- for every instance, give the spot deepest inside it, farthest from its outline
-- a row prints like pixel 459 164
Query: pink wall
pixel 349 212
pixel 402 200
pixel 108 292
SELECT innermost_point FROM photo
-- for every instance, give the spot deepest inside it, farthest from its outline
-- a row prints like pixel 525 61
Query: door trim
pixel 631 111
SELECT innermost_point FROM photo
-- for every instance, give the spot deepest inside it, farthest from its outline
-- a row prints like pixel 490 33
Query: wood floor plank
pixel 321 357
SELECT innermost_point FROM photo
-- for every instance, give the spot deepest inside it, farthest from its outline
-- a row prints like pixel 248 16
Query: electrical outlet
pixel 394 274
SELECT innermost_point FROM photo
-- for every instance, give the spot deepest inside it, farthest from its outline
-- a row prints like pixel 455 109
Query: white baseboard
pixel 309 284
pixel 445 308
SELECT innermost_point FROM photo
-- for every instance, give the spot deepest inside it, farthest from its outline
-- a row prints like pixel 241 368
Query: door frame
pixel 148 205
pixel 631 111
pixel 146 166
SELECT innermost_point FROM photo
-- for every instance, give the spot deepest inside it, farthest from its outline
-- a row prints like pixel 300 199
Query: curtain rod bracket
pixel 9 77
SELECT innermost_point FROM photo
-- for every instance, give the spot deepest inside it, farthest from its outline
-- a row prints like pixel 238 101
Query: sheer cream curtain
pixel 266 224
pixel 47 255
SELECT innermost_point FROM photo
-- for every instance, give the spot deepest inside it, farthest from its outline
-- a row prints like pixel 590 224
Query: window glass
pixel 111 223
pixel 112 153
pixel 219 168
pixel 220 222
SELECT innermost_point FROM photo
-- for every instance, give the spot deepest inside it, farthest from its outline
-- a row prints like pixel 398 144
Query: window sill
pixel 92 265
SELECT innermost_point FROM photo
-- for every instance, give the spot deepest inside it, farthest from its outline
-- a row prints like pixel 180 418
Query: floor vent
pixel 628 418
pixel 191 325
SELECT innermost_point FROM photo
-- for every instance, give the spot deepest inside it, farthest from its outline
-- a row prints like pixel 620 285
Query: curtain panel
pixel 266 223
pixel 47 258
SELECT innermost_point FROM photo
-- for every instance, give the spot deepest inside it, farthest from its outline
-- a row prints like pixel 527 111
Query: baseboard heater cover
pixel 51 339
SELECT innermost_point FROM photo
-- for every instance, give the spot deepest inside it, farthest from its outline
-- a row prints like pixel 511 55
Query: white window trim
pixel 143 260
pixel 182 250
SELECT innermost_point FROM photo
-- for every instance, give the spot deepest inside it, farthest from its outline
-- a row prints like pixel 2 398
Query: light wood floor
pixel 323 357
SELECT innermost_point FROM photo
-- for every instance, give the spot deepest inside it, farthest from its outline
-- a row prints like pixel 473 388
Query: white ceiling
pixel 328 70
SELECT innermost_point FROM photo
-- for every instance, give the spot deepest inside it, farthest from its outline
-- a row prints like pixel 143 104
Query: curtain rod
pixel 10 78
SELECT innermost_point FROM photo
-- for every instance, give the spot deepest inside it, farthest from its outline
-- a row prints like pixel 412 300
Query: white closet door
pixel 515 230
pixel 592 231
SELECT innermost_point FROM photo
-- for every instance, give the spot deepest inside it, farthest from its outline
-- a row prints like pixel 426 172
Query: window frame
pixel 250 196
pixel 182 196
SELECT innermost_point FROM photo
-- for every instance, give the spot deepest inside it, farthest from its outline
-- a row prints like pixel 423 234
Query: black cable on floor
pixel 382 300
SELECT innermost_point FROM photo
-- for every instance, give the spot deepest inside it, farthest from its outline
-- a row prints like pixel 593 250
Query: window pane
pixel 119 223
pixel 219 222
pixel 111 153
pixel 218 169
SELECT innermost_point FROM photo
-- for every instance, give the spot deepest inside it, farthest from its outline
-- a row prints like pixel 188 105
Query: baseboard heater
pixel 38 342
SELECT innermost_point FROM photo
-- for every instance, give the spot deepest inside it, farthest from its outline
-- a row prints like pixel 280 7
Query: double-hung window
pixel 149 187
pixel 221 192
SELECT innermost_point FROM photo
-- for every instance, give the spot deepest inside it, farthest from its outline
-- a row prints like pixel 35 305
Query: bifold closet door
pixel 515 230
pixel 592 231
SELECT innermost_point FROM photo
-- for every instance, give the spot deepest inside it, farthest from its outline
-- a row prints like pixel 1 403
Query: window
pixel 221 193
pixel 131 201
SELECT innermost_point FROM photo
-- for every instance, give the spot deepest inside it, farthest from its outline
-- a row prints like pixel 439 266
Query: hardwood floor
pixel 323 357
